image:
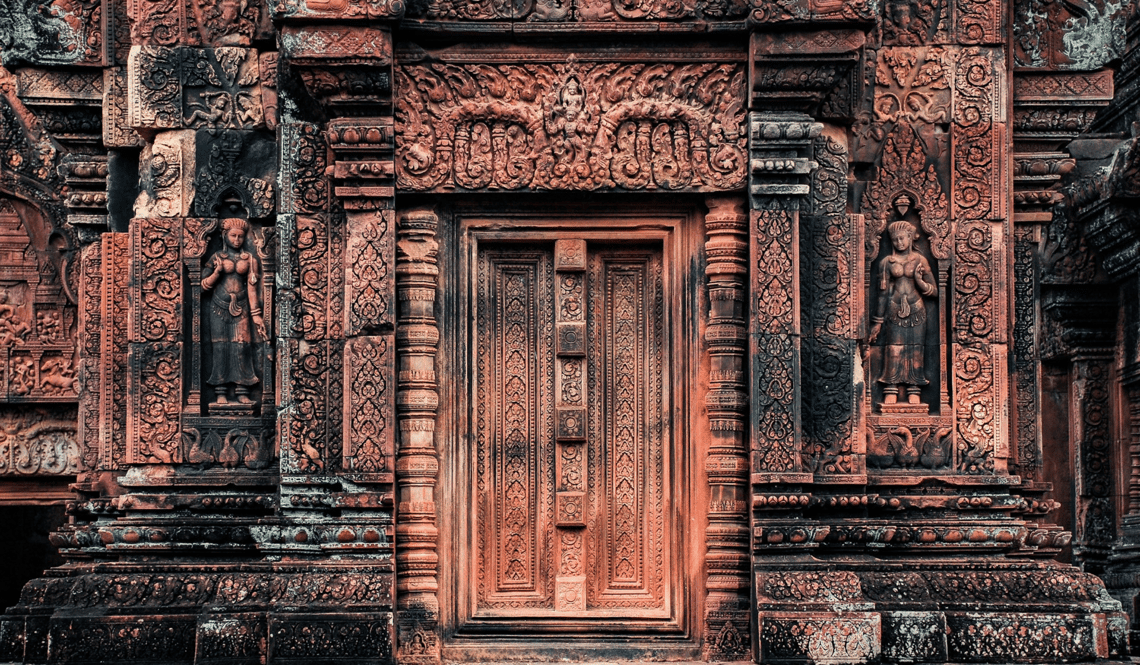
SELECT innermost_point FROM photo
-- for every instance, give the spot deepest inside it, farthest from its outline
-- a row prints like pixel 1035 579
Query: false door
pixel 572 439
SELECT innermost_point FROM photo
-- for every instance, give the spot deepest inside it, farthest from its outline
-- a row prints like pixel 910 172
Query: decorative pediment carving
pixel 578 126
pixel 907 172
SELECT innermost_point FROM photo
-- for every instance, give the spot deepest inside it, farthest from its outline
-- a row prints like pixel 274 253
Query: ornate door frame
pixel 678 227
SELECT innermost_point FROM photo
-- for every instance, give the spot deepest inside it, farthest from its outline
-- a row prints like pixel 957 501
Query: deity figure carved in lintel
pixel 233 316
pixel 904 278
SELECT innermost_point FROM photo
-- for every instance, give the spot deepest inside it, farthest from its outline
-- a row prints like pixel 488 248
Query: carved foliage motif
pixel 155 333
pixel 90 348
pixel 369 280
pixel 39 442
pixel 370 442
pixel 304 188
pixel 906 170
pixel 312 366
pixel 308 258
pixel 831 261
pixel 913 85
pixel 1024 349
pixel 628 126
pixel 1096 522
pixel 774 311
pixel 307 434
pixel 113 426
pixel 780 11
pixel 978 127
pixel 154 90
pixel 117 132
pixel 196 22
pixel 214 88
pixel 235 164
pixel 627 295
pixel 978 21
pixel 513 409
pixel 221 88
pixel 156 284
pixel 978 242
pixel 827 639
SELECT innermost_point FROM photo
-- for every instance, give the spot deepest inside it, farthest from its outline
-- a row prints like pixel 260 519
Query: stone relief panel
pixel 176 87
pixel 197 22
pixel 579 126
pixel 54 32
pixel 934 110
pixel 1084 35
pixel 39 441
pixel 38 344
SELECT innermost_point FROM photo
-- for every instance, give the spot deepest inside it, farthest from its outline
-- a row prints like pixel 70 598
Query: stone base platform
pixel 924 611
pixel 223 614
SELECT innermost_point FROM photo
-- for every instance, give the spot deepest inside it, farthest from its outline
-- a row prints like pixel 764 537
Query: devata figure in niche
pixel 233 314
pixel 904 278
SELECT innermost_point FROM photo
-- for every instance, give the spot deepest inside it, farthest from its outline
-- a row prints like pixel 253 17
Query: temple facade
pixel 424 331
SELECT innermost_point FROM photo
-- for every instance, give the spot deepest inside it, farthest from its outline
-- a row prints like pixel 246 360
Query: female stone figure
pixel 904 278
pixel 233 314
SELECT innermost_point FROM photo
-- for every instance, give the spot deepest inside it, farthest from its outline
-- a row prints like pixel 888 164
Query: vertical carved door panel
pixel 515 473
pixel 628 427
pixel 571 431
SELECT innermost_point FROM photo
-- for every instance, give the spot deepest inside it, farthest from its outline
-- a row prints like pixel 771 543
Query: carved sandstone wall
pixel 382 331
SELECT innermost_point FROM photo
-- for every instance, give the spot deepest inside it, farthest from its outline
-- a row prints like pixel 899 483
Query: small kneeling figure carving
pixel 904 278
pixel 233 314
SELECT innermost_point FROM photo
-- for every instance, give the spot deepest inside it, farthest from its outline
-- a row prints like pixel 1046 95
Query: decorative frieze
pixel 577 126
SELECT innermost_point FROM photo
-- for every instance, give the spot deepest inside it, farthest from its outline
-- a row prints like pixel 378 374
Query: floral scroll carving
pixel 576 126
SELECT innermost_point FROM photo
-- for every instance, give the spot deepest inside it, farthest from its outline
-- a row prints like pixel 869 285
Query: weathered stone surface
pixel 378 331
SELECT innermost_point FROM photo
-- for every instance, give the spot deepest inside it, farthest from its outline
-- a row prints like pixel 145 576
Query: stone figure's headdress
pixel 895 228
pixel 235 223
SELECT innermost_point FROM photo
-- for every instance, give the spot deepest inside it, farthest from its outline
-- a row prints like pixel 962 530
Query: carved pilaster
pixel 1093 478
pixel 417 464
pixel 113 352
pixel 1026 364
pixel 154 380
pixel 363 172
pixel 831 258
pixel 978 201
pixel 781 161
pixel 726 606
